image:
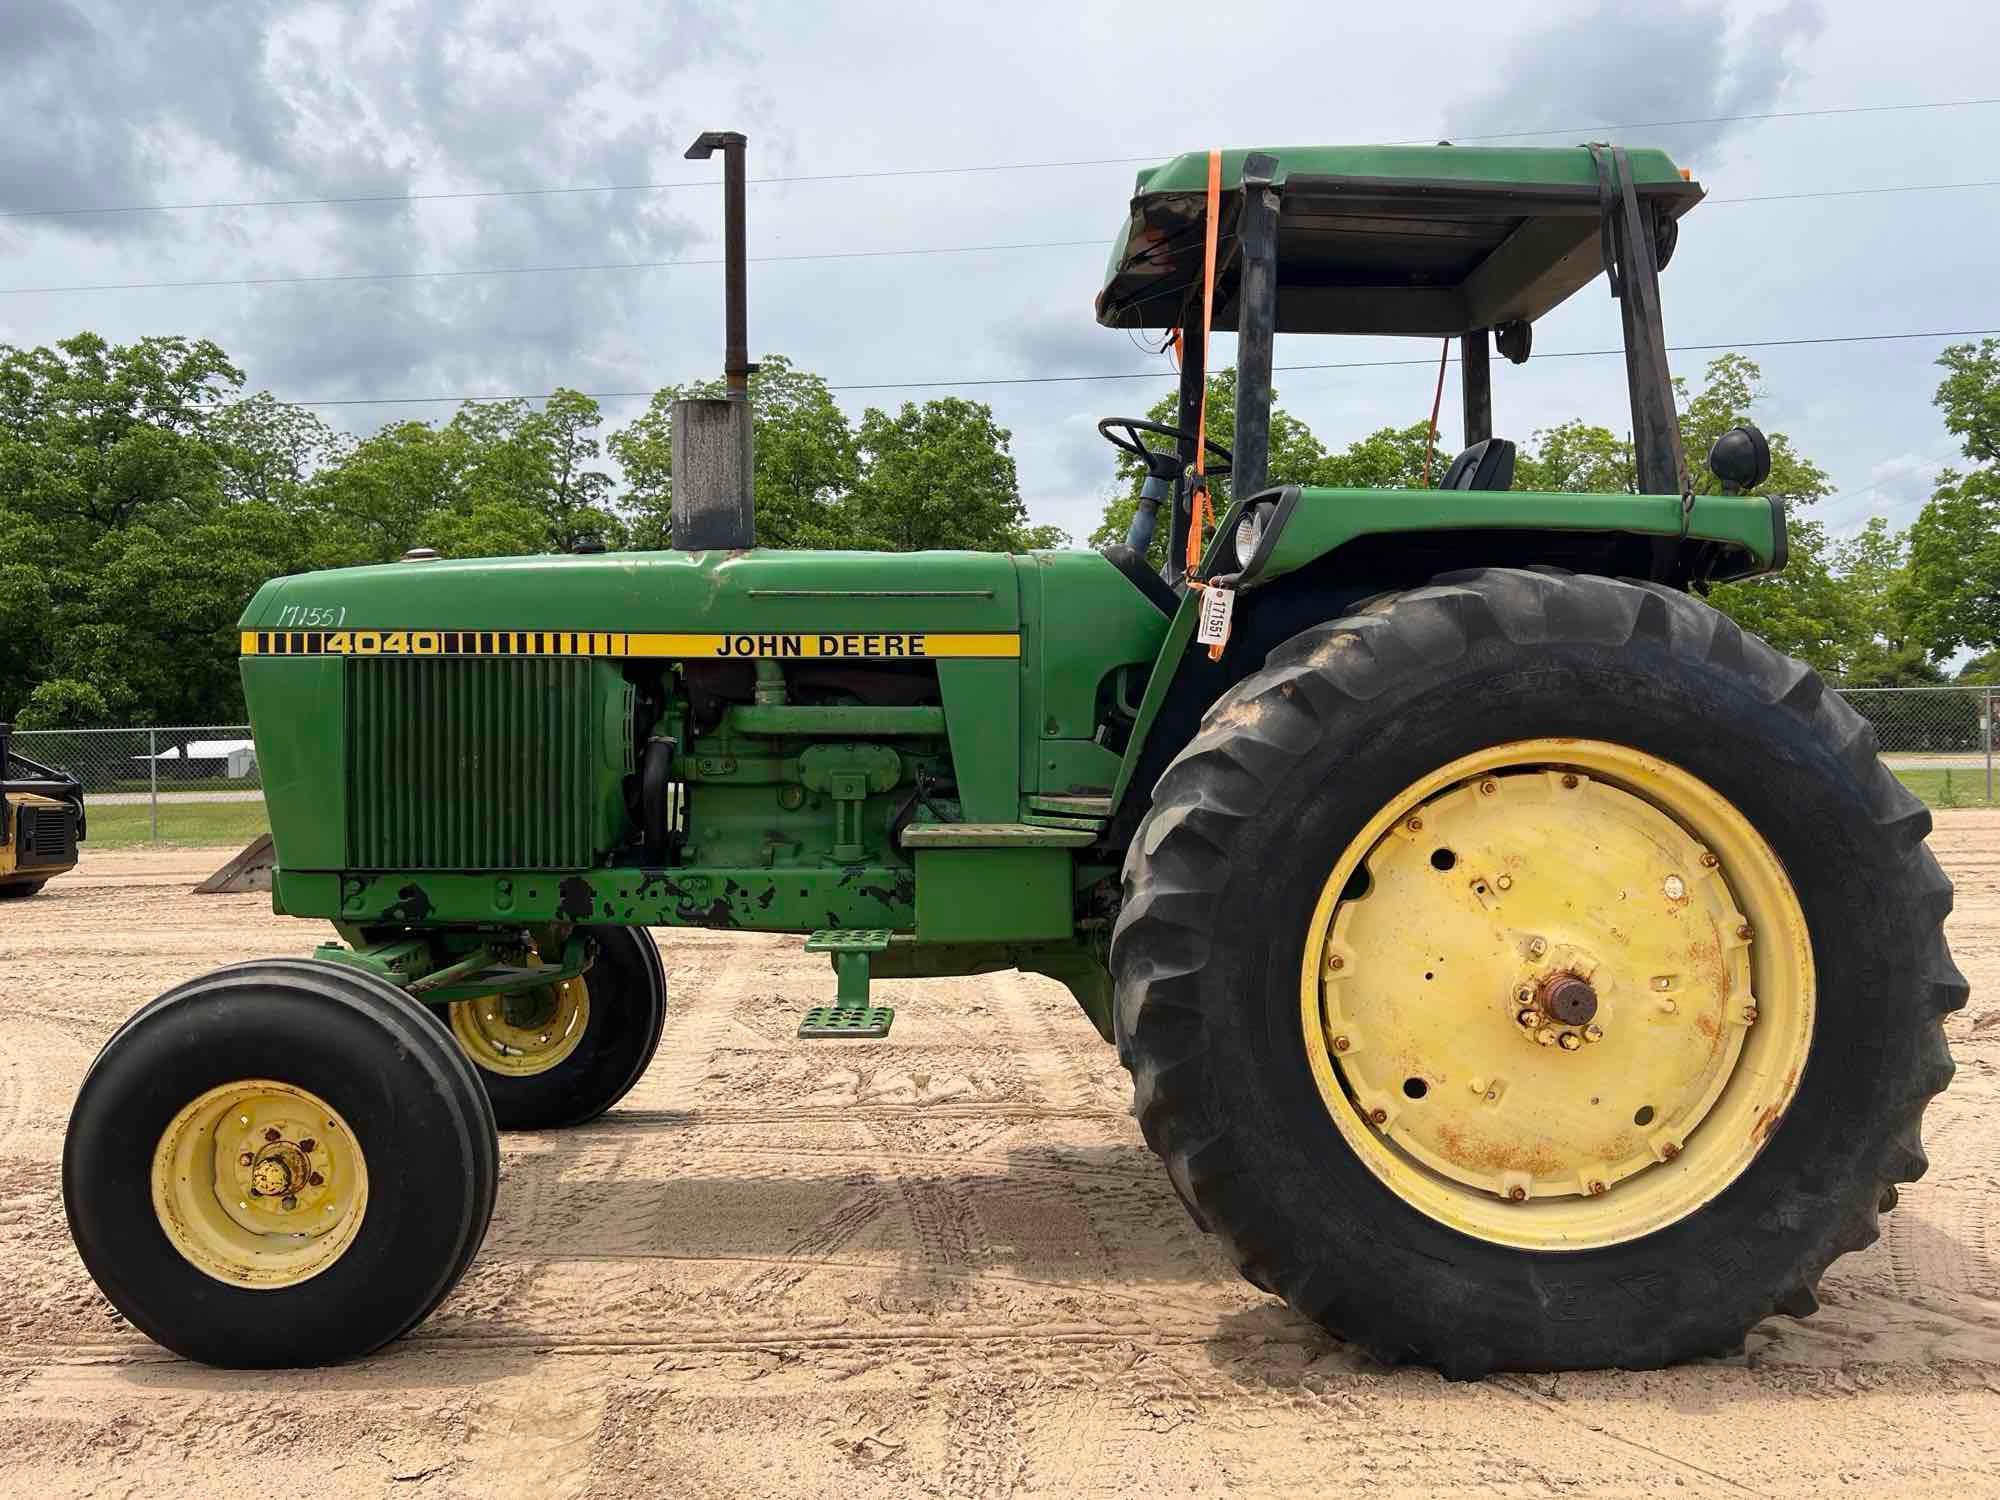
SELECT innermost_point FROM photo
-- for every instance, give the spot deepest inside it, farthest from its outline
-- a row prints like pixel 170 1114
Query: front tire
pixel 281 1163
pixel 617 1011
pixel 1324 1184
pixel 21 890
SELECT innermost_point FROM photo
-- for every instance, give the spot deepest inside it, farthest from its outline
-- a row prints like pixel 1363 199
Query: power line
pixel 1017 380
pixel 357 199
pixel 655 265
pixel 611 265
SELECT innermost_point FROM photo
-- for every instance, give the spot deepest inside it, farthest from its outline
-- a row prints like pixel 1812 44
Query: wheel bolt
pixel 245 1159
pixel 1537 947
pixel 273 1134
pixel 1336 962
pixel 1526 1018
pixel 1670 1151
pixel 1570 1041
pixel 307 1144
pixel 1488 788
pixel 1415 825
pixel 1709 861
pixel 1341 1044
pixel 1750 1013
pixel 1746 932
pixel 1546 1036
pixel 1379 1116
pixel 1518 1194
pixel 318 1179
pixel 1505 882
pixel 1593 1032
pixel 288 1203
pixel 1596 1188
pixel 1569 780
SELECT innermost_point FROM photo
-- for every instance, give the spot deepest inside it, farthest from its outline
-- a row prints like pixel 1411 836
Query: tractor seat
pixel 1483 466
pixel 1133 565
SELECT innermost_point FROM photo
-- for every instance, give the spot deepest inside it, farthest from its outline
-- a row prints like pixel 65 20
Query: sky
pixel 118 105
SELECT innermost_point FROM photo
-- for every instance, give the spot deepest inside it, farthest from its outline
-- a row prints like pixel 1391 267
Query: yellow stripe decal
pixel 873 645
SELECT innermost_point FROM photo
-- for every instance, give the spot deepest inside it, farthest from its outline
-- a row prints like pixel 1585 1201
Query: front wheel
pixel 280 1163
pixel 20 890
pixel 1535 971
pixel 563 1054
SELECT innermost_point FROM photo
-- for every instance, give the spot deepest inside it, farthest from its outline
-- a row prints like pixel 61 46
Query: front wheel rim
pixel 1557 994
pixel 259 1184
pixel 521 1044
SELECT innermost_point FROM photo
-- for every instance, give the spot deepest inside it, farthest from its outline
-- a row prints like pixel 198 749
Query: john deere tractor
pixel 1519 965
pixel 41 821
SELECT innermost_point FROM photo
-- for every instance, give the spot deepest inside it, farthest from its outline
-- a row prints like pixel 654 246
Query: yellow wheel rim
pixel 523 1034
pixel 1557 994
pixel 259 1184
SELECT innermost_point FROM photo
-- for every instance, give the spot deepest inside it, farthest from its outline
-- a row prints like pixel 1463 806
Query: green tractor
pixel 1519 965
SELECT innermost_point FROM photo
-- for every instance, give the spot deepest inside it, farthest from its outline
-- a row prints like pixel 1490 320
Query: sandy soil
pixel 941 1265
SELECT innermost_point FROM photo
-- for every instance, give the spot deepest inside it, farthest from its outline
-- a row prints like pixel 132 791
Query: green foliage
pixel 1969 397
pixel 936 475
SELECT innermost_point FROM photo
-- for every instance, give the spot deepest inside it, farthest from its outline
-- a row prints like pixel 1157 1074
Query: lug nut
pixel 273 1134
pixel 1518 1194
pixel 1746 932
pixel 245 1159
pixel 1709 861
pixel 1569 779
pixel 1596 1188
pixel 288 1203
pixel 1415 825
pixel 1546 1036
pixel 1750 1013
pixel 307 1144
pixel 1526 1017
pixel 1593 1032
pixel 1569 1041
pixel 318 1179
pixel 1379 1116
pixel 1505 882
pixel 1488 788
pixel 1336 962
pixel 1341 1044
pixel 1670 1151
pixel 1537 947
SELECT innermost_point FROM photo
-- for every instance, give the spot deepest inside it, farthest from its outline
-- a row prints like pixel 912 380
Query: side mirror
pixel 1741 459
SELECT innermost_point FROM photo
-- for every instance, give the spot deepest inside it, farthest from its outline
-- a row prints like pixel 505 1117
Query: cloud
pixel 1619 61
pixel 219 101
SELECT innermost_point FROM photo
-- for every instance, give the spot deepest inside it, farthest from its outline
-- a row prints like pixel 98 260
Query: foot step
pixel 830 1021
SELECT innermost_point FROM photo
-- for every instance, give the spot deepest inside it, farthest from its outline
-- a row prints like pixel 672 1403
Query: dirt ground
pixel 940 1265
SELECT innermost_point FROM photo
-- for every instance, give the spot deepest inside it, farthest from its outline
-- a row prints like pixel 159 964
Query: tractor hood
pixel 684 595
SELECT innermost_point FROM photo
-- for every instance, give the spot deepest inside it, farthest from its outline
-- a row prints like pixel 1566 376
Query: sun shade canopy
pixel 1422 240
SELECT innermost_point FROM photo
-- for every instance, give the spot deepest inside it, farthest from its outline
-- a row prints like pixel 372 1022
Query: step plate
pixel 824 1022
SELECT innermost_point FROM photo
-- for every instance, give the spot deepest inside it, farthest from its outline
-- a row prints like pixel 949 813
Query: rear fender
pixel 1323 551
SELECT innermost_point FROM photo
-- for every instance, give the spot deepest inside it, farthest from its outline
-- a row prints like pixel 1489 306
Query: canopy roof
pixel 1431 240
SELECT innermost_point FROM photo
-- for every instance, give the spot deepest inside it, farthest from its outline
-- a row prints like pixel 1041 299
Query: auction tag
pixel 1217 605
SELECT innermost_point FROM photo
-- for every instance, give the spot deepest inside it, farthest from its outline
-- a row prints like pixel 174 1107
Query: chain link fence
pixel 201 782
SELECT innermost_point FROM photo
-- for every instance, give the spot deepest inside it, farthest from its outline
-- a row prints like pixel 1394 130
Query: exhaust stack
pixel 713 504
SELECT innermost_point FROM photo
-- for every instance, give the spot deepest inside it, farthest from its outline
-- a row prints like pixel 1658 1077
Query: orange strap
pixel 1201 513
pixel 1437 400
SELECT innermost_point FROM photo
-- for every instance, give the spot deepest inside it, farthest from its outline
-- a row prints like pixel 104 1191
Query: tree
pixel 1969 397
pixel 1577 456
pixel 934 476
pixel 804 457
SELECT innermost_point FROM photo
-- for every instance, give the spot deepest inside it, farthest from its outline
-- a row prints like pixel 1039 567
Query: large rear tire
pixel 1540 781
pixel 280 1163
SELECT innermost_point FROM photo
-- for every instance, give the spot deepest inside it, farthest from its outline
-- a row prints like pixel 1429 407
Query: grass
pixel 182 824
pixel 1952 787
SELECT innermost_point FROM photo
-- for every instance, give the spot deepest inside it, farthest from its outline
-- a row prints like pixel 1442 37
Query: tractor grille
pixel 44 836
pixel 469 764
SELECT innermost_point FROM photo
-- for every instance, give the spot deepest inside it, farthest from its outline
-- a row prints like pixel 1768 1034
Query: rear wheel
pixel 20 890
pixel 563 1054
pixel 280 1163
pixel 1535 971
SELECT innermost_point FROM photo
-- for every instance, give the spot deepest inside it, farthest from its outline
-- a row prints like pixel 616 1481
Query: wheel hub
pixel 259 1184
pixel 523 1033
pixel 1535 986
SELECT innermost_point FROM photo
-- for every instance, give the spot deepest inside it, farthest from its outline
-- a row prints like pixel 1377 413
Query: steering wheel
pixel 1122 433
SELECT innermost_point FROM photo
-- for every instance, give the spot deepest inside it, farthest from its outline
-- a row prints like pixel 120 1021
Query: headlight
pixel 1250 534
